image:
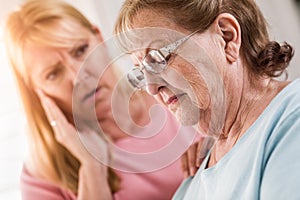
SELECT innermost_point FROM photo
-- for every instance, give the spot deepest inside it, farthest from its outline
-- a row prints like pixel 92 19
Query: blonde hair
pixel 47 23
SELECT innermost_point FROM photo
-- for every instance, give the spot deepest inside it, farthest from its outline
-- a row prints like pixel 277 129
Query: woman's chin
pixel 187 117
pixel 187 113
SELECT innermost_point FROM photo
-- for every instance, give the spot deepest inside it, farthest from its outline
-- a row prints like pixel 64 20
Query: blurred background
pixel 284 25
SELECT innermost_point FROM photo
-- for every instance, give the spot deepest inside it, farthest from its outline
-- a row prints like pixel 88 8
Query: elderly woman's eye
pixel 80 51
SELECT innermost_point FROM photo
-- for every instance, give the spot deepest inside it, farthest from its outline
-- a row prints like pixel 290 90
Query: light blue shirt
pixel 265 162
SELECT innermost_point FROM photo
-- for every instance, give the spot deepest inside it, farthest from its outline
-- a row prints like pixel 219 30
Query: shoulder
pixel 284 108
pixel 280 125
pixel 281 166
pixel 287 106
pixel 35 188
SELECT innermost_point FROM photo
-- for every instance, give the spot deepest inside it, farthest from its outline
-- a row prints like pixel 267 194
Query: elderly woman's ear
pixel 228 27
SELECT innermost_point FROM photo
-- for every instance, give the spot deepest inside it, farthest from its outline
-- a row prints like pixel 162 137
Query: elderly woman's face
pixel 180 85
pixel 53 70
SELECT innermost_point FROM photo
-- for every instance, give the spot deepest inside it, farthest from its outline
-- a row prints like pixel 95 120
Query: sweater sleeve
pixel 33 188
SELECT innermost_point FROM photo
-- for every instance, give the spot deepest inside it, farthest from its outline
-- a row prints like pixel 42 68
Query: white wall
pixel 283 17
pixel 284 25
pixel 12 139
pixel 108 15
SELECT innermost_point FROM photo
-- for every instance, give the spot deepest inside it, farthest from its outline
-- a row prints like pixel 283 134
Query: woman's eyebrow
pixel 77 44
pixel 49 67
pixel 54 65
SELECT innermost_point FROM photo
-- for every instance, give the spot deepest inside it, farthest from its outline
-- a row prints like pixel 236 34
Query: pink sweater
pixel 157 185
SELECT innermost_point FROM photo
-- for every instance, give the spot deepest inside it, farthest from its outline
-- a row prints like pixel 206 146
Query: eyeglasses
pixel 154 62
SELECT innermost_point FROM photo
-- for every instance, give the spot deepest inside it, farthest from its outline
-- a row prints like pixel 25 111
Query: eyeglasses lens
pixel 136 78
pixel 154 62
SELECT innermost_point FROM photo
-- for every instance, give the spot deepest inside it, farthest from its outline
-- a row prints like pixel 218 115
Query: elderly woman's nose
pixel 153 83
pixel 152 88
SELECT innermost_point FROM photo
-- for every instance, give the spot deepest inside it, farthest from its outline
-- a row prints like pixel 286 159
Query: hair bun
pixel 275 58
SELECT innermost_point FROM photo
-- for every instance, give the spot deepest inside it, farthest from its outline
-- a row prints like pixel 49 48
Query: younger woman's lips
pixel 89 95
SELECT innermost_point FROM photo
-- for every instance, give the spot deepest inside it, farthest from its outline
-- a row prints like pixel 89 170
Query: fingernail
pixel 198 163
pixel 192 171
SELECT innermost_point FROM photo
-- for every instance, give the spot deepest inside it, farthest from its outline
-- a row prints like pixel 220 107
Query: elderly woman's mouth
pixel 174 99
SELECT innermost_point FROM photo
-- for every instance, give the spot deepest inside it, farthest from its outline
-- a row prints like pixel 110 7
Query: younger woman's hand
pixel 93 175
pixel 67 135
pixel 193 157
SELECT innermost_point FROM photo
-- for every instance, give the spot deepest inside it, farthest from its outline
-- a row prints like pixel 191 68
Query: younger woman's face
pixel 53 70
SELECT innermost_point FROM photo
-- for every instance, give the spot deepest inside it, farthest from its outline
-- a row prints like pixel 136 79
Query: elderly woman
pixel 47 42
pixel 257 122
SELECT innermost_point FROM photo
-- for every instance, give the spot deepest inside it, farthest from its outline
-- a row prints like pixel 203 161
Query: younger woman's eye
pixel 52 75
pixel 80 51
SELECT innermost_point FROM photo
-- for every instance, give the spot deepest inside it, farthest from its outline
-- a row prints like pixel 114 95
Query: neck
pixel 243 107
pixel 243 111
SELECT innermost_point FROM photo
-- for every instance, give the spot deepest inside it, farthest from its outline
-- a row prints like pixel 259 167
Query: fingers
pixel 192 159
pixel 42 98
pixel 67 135
pixel 55 116
pixel 184 165
pixel 188 161
pixel 194 156
pixel 203 147
pixel 201 153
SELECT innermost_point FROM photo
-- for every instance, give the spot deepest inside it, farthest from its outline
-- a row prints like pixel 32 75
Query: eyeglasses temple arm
pixel 174 45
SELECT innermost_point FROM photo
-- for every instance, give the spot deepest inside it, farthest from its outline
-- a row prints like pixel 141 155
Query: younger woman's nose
pixel 73 68
pixel 80 76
